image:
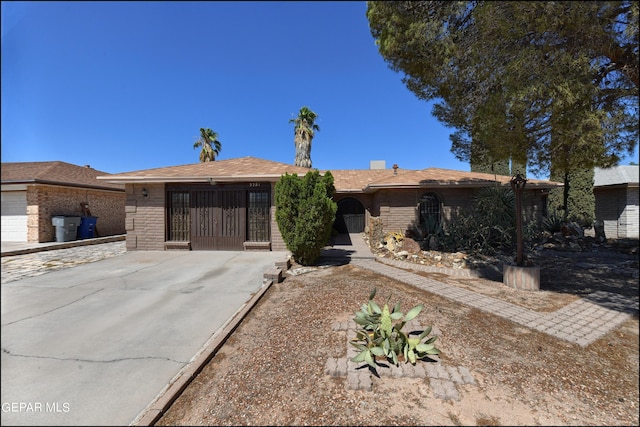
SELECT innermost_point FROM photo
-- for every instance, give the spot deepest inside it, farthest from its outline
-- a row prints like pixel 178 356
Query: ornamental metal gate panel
pixel 218 219
pixel 233 211
pixel 350 216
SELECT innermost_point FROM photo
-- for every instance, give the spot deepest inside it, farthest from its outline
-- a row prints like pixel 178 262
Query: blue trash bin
pixel 87 227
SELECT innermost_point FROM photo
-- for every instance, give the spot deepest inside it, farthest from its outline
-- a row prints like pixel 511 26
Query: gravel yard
pixel 271 370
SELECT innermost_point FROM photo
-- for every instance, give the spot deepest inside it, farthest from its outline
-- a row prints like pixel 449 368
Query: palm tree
pixel 303 131
pixel 211 147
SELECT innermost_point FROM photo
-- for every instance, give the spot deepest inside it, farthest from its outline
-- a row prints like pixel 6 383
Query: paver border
pixel 440 378
pixel 556 323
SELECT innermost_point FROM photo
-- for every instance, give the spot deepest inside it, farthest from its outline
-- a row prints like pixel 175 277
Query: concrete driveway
pixel 97 343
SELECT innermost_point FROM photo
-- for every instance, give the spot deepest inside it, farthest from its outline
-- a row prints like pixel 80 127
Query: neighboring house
pixel 229 204
pixel 34 192
pixel 616 193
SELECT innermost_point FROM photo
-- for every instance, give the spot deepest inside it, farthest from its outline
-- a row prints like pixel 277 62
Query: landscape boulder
pixel 410 245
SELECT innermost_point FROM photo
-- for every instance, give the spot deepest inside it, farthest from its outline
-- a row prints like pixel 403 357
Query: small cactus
pixel 378 336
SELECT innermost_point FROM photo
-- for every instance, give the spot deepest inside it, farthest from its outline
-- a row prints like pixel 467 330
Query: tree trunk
pixel 303 151
pixel 565 194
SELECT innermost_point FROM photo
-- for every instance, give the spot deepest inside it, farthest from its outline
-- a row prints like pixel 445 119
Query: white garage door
pixel 14 216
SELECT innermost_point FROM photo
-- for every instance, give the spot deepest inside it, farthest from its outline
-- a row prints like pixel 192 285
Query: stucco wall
pixel 47 201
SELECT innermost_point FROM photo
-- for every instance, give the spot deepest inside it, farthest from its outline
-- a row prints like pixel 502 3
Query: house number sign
pixel 254 184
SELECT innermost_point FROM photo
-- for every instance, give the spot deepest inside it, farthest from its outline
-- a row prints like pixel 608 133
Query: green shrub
pixel 305 212
pixel 553 222
pixel 489 226
pixel 377 335
pixel 531 233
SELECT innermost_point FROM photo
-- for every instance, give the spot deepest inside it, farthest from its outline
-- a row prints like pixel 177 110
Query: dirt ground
pixel 271 370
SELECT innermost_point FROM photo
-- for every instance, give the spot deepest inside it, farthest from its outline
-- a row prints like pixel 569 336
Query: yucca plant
pixel 377 335
pixel 553 222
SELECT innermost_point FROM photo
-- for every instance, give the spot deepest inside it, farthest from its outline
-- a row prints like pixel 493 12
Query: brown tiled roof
pixel 354 180
pixel 350 180
pixel 436 177
pixel 240 169
pixel 56 173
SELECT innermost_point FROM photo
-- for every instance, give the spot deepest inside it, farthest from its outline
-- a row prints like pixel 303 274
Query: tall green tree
pixel 304 131
pixel 305 212
pixel 483 165
pixel 209 144
pixel 546 84
pixel 575 201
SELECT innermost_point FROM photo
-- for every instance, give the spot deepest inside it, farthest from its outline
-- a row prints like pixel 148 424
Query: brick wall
pixel 145 217
pixel 454 202
pixel 398 209
pixel 277 242
pixel 47 201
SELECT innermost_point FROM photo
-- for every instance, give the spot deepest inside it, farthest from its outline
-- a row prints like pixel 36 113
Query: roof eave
pixel 60 184
pixel 18 181
pixel 618 185
pixel 374 188
pixel 440 184
pixel 348 190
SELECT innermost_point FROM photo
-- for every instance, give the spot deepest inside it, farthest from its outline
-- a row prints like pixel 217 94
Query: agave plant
pixel 553 222
pixel 377 335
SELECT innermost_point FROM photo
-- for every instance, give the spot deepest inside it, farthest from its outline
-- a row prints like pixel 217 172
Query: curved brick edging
pixel 460 272
pixel 440 378
pixel 64 245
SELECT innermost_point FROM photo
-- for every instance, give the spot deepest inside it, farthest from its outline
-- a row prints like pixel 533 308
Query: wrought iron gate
pixel 218 219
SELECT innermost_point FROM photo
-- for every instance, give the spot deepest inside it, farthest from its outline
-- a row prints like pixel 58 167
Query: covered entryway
pixel 350 216
pixel 218 217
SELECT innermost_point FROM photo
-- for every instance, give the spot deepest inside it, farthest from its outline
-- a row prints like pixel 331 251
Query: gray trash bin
pixel 66 227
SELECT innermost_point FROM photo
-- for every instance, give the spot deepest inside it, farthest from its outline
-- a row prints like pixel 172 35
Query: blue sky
pixel 125 86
